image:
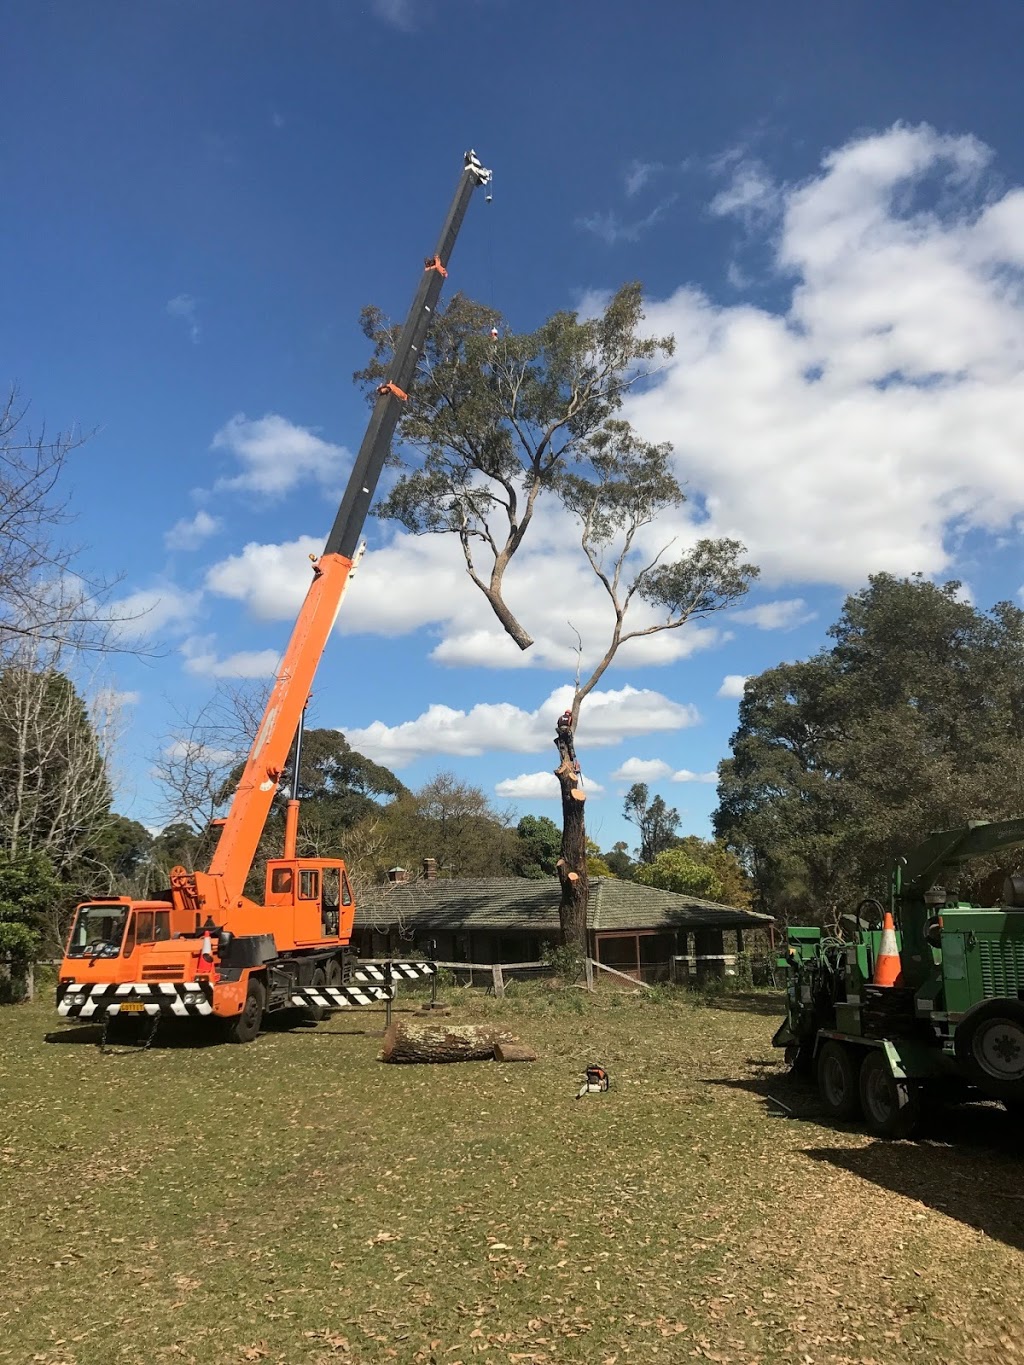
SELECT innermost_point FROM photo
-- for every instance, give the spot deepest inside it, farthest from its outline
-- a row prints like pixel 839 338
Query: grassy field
pixel 296 1201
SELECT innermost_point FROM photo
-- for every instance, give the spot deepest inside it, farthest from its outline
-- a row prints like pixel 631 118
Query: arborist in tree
pixel 563 739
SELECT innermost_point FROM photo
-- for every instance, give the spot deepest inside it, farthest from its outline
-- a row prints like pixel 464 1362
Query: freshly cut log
pixel 410 1040
pixel 514 1052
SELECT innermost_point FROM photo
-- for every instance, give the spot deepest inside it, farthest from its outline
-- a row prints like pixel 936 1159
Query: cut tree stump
pixel 514 1052
pixel 409 1040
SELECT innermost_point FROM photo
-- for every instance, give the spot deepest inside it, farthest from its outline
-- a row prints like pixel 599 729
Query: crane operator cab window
pixel 147 926
pixel 309 884
pixel 98 931
pixel 282 881
pixel 329 905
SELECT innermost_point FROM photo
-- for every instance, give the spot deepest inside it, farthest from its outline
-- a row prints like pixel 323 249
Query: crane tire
pixel 333 972
pixel 245 1027
pixel 315 1013
pixel 884 1116
pixel 989 1043
pixel 838 1074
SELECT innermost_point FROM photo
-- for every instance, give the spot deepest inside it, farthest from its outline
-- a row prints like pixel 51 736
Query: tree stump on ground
pixel 514 1052
pixel 409 1040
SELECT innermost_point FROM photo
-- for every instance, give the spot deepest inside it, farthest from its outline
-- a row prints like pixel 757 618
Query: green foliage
pixel 903 726
pixel 565 960
pixel 722 862
pixel 448 820
pixel 675 870
pixel 656 822
pixel 618 861
pixel 28 890
pixel 540 846
pixel 122 846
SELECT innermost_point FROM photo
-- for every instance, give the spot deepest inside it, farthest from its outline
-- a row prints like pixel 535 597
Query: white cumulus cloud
pixel 201 659
pixel 605 718
pixel 415 581
pixel 190 532
pixel 782 615
pixel 542 786
pixel 642 770
pixel 275 454
pixel 685 775
pixel 879 412
pixel 152 611
pixel 733 685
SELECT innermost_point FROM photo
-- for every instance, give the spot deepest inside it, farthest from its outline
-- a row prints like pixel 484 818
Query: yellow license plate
pixel 133 1007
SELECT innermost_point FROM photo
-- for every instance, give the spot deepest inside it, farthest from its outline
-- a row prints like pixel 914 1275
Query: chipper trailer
pixel 927 1003
pixel 202 948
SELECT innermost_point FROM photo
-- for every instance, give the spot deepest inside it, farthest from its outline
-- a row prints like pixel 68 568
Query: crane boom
pixel 251 804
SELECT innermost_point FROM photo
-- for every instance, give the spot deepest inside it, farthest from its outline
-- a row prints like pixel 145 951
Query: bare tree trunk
pixel 572 865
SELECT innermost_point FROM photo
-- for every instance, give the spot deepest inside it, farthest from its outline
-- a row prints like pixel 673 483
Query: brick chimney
pixel 430 869
pixel 397 874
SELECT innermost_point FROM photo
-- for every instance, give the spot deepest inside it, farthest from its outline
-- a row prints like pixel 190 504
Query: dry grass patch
pixel 299 1202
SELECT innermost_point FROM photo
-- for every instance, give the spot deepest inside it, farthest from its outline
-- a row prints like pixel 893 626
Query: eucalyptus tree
pixel 498 420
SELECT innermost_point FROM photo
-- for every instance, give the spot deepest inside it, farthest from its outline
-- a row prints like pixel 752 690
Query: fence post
pixel 499 982
pixel 30 982
pixel 588 967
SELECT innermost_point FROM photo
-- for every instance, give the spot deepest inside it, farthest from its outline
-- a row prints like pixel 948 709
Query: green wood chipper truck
pixel 949 1027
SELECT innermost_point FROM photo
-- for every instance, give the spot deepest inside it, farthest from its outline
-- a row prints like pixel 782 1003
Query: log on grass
pixel 410 1040
pixel 514 1052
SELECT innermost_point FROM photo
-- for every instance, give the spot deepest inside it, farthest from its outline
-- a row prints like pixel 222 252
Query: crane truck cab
pixel 204 947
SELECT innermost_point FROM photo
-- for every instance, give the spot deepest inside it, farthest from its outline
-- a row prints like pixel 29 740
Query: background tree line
pixel 910 721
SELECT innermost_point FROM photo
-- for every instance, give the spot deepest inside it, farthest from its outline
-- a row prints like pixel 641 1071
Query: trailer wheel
pixel 245 1027
pixel 838 1068
pixel 989 1044
pixel 880 1099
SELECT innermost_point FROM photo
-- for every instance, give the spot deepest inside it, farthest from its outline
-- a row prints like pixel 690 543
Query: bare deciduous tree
pixel 44 596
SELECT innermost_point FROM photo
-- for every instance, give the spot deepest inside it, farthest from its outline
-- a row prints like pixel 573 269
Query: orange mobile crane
pixel 203 948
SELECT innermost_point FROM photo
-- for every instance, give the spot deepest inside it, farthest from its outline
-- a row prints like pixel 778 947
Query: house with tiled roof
pixel 633 928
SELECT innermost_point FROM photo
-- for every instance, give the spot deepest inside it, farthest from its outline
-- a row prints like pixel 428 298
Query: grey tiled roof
pixel 528 906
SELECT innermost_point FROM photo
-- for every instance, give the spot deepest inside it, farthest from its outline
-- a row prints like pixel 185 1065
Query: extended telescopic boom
pixel 252 801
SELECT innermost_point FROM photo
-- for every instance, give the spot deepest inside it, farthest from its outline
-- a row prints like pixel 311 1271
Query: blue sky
pixel 822 202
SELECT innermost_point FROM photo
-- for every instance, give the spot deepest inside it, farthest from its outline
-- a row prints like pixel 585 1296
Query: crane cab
pixel 311 900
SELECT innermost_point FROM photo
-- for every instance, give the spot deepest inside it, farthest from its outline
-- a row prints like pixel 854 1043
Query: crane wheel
pixel 880 1099
pixel 838 1074
pixel 334 973
pixel 245 1027
pixel 314 1013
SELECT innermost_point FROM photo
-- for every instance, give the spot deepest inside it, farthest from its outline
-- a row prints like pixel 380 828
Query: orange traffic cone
pixel 204 967
pixel 887 961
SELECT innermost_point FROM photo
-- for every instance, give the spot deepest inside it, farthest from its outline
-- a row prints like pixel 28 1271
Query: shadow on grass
pixel 965 1161
pixel 179 1033
pixel 980 1188
pixel 126 1041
